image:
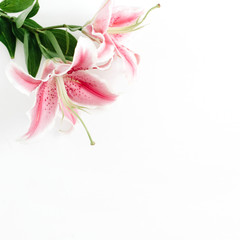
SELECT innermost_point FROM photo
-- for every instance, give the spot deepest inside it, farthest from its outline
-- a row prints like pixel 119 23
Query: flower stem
pixel 52 27
pixel 70 27
pixel 90 138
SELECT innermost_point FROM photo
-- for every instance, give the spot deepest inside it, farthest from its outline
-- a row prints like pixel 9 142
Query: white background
pixel 166 164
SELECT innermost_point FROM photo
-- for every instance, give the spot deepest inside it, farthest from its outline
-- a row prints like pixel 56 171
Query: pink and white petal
pixel 88 89
pixel 67 113
pixel 116 76
pixel 62 68
pixel 90 32
pixel 21 80
pixel 123 37
pixel 106 46
pixel 45 108
pixel 122 16
pixel 130 58
pixel 138 58
pixel 105 66
pixel 48 69
pixel 106 49
pixel 85 56
pixel 102 18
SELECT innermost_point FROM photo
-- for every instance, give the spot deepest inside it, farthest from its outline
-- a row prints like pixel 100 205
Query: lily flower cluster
pixel 71 85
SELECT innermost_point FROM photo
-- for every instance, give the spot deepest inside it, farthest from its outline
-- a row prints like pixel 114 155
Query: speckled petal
pixel 122 16
pixel 102 18
pixel 21 80
pixel 45 108
pixel 87 89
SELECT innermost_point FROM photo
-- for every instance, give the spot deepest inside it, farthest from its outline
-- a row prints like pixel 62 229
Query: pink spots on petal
pixel 86 89
pixel 45 108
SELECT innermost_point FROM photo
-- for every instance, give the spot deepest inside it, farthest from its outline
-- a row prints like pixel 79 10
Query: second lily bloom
pixel 109 27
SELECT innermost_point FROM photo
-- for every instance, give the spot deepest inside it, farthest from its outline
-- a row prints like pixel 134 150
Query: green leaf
pixel 29 12
pixel 50 54
pixel 19 32
pixel 32 52
pixel 47 53
pixel 7 37
pixel 32 23
pixel 12 6
pixel 35 10
pixel 66 41
pixel 55 44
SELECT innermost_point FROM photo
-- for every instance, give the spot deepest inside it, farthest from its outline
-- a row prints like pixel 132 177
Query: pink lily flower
pixel 109 27
pixel 64 86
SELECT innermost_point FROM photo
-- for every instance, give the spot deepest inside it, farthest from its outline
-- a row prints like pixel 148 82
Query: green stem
pixel 89 136
pixel 70 27
pixel 52 27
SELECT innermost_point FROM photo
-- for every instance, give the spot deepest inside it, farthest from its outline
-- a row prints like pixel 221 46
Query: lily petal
pixel 48 69
pixel 102 18
pixel 130 58
pixel 21 80
pixel 87 89
pixel 45 108
pixel 85 56
pixel 106 46
pixel 62 68
pixel 106 49
pixel 122 16
pixel 106 65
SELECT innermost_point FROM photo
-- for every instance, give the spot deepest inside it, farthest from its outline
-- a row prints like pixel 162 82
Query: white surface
pixel 167 161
